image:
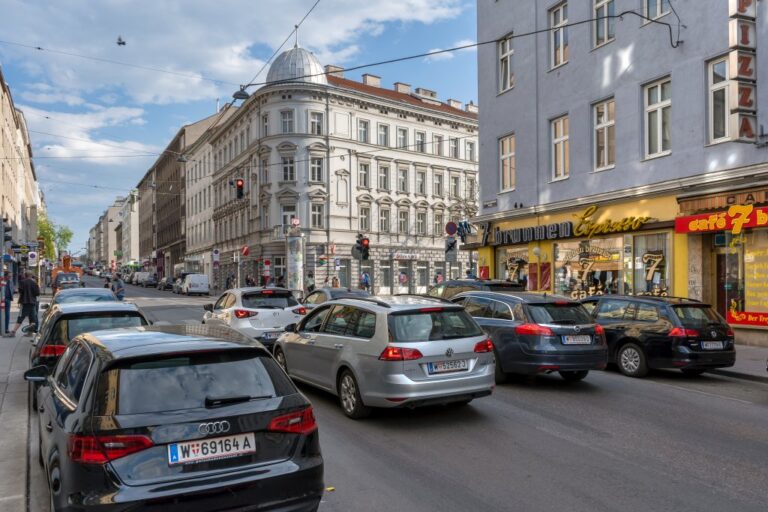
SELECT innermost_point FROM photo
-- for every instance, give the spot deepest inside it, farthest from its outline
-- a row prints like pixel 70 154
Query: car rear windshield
pixel 566 313
pixel 183 381
pixel 697 316
pixel 273 300
pixel 86 297
pixel 432 324
pixel 80 324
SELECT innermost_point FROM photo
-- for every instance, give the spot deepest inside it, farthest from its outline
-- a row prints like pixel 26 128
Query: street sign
pixel 32 259
pixel 245 251
pixel 236 257
pixel 451 250
pixel 451 228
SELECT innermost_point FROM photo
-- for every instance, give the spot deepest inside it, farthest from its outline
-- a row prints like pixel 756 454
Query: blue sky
pixel 91 121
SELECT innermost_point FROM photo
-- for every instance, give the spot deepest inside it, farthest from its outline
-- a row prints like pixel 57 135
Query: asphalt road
pixel 609 443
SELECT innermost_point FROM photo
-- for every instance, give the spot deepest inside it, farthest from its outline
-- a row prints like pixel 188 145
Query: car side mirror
pixel 37 374
pixel 208 307
pixel 291 328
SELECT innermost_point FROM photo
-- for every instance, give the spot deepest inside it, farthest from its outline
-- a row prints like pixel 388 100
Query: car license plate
pixel 459 365
pixel 583 339
pixel 272 335
pixel 712 345
pixel 191 452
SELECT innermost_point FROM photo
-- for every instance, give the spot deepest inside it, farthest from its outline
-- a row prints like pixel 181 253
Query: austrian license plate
pixel 712 345
pixel 582 339
pixel 459 365
pixel 191 452
pixel 272 335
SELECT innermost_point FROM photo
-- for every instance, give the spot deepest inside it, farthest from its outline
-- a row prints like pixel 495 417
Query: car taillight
pixel 299 422
pixel 430 310
pixel 400 354
pixel 242 313
pixel 484 346
pixel 103 449
pixel 300 310
pixel 599 329
pixel 52 350
pixel 729 333
pixel 533 330
pixel 682 332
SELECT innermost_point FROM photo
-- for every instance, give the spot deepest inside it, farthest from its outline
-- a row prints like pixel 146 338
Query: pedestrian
pixel 8 299
pixel 118 287
pixel 335 282
pixel 365 281
pixel 310 282
pixel 249 281
pixel 281 281
pixel 325 283
pixel 228 283
pixel 107 284
pixel 470 274
pixel 28 293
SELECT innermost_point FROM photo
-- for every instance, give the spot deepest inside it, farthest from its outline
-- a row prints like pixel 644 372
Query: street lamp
pixel 241 94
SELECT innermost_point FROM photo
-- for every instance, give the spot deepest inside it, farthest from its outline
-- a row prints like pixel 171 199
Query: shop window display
pixel 513 264
pixel 589 267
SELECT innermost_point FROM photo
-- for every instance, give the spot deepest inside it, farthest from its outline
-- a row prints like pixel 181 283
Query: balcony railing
pixel 279 232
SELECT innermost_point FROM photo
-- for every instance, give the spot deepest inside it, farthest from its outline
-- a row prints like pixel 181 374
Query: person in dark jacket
pixel 8 298
pixel 29 291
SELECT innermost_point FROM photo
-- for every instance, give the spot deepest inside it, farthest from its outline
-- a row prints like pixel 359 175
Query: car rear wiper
pixel 265 306
pixel 217 401
pixel 564 322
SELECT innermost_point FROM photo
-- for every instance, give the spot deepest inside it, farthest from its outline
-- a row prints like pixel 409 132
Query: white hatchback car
pixel 259 313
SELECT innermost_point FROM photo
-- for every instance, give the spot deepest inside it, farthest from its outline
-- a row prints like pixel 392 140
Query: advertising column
pixel 294 250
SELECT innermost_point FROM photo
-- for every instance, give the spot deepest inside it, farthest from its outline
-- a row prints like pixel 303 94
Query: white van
pixel 195 283
pixel 138 277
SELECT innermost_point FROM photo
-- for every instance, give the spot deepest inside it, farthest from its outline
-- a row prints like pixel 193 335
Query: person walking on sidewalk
pixel 29 291
pixel 118 287
pixel 8 299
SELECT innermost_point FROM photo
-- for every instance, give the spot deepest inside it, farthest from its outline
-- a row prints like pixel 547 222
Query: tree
pixel 63 237
pixel 46 230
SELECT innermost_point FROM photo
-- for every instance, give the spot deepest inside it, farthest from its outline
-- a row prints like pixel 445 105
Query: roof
pixel 396 302
pixel 393 95
pixel 296 65
pixel 96 307
pixel 79 292
pixel 652 298
pixel 528 297
pixel 115 344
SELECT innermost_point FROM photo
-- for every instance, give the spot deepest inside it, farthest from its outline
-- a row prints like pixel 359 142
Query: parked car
pixel 177 285
pixel 175 418
pixel 662 332
pixel 149 280
pixel 403 351
pixel 72 295
pixel 65 280
pixel 448 289
pixel 138 277
pixel 321 295
pixel 195 284
pixel 259 313
pixel 165 283
pixel 129 278
pixel 534 333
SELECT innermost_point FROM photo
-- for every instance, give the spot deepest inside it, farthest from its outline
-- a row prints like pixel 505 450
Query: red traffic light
pixel 240 183
pixel 365 242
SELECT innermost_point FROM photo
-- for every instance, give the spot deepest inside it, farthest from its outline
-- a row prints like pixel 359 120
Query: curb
pixel 740 375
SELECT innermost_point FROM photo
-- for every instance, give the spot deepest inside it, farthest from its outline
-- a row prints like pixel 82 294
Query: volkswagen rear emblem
pixel 449 352
pixel 576 329
pixel 714 334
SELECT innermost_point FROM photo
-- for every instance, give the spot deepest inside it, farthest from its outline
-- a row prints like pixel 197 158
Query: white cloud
pixel 449 55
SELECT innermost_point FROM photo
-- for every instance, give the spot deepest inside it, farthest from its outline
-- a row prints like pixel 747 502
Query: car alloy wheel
pixel 349 396
pixel 632 361
pixel 280 358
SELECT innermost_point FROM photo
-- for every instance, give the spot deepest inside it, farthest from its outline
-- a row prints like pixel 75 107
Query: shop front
pixel 626 248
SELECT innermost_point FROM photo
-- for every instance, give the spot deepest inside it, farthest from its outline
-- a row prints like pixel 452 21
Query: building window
pixel 506 75
pixel 365 218
pixel 605 135
pixel 438 185
pixel 316 169
pixel 421 142
pixel 402 181
pixel 279 264
pixel 421 182
pixel 402 222
pixel 507 163
pixel 471 151
pixel 560 148
pixel 558 19
pixel 363 175
pixel 455 183
pixel 656 8
pixel 421 223
pixel 439 224
pixel 363 132
pixel 384 135
pixel 288 214
pixel 471 189
pixel 318 216
pixel 402 138
pixel 316 123
pixel 453 148
pixel 264 168
pixel 658 113
pixel 437 145
pixel 289 170
pixel 384 220
pixel 604 27
pixel 718 100
pixel 383 177
pixel 286 118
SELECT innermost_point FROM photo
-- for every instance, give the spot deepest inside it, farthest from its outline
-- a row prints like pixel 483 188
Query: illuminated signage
pixel 742 69
pixel 735 219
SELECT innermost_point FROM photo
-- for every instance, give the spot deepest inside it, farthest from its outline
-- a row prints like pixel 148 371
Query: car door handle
pixel 49 427
pixel 338 345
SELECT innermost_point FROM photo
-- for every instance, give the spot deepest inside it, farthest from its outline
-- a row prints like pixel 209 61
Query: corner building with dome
pixel 325 158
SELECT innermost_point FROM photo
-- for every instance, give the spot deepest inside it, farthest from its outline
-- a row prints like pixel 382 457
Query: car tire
pixel 573 375
pixel 499 375
pixel 349 397
pixel 54 473
pixel 692 372
pixel 280 358
pixel 460 403
pixel 631 361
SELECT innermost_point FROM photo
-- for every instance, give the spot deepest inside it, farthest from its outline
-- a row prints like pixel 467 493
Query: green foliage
pixel 46 230
pixel 63 237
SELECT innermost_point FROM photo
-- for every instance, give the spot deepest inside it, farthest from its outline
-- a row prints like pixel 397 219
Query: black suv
pixel 662 332
pixel 448 289
pixel 534 333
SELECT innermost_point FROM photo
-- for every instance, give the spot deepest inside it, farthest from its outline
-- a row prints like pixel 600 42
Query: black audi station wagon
pixel 175 418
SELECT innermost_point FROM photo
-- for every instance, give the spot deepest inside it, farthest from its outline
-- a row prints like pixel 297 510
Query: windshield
pixel 259 300
pixel 697 316
pixel 567 313
pixel 67 277
pixel 184 381
pixel 432 324
pixel 85 297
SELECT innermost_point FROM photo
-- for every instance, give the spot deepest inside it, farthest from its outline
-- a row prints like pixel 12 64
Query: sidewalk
pixel 750 364
pixel 14 416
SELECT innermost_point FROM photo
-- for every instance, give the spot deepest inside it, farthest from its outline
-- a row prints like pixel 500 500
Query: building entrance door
pixel 727 280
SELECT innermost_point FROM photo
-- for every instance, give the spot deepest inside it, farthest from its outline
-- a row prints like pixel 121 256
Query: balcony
pixel 279 232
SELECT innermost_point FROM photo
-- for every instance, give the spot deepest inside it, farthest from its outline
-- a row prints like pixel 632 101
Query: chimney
pixel 334 70
pixel 426 93
pixel 454 104
pixel 372 80
pixel 471 107
pixel 403 88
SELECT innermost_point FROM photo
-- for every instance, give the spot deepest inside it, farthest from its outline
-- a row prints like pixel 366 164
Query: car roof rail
pixel 423 296
pixel 368 299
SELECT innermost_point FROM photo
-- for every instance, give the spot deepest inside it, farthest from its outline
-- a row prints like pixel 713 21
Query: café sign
pixel 734 219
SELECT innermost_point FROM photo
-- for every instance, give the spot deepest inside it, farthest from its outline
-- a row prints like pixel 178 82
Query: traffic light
pixel 6 228
pixel 464 229
pixel 239 186
pixel 364 246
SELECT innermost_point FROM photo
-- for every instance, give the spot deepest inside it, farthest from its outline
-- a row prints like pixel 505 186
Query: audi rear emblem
pixel 449 352
pixel 216 427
